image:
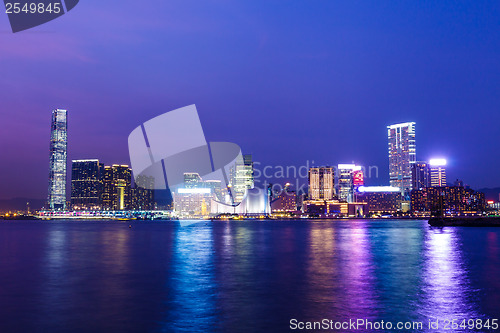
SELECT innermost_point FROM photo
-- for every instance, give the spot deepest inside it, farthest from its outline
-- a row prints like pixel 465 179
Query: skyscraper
pixel 117 187
pixel 242 178
pixel 438 172
pixel 420 175
pixel 216 186
pixel 192 180
pixel 58 160
pixel 142 197
pixel 347 173
pixel 86 184
pixel 402 155
pixel 321 183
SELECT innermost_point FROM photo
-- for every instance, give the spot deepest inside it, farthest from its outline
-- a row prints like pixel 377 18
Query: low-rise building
pixel 286 201
pixel 380 199
pixel 334 208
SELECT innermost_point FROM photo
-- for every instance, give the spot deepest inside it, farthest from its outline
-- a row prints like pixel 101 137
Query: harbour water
pixel 243 276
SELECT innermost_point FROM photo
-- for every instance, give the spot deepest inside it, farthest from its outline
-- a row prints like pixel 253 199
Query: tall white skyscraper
pixel 402 155
pixel 58 160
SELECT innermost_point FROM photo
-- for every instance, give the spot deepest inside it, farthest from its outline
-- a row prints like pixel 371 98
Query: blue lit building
pixel 58 160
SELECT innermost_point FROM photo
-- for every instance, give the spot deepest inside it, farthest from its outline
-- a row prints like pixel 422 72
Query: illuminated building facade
pixel 254 203
pixel 494 207
pixel 86 184
pixel 58 160
pixel 447 200
pixel 438 172
pixel 321 183
pixel 95 187
pixel 193 202
pixel 195 197
pixel 359 178
pixel 334 208
pixel 142 194
pixel 242 178
pixel 117 187
pixel 402 155
pixel 286 201
pixel 192 180
pixel 380 199
pixel 216 187
pixel 350 176
pixel 420 175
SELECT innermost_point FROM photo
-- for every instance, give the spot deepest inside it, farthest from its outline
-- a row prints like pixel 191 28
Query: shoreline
pixel 478 221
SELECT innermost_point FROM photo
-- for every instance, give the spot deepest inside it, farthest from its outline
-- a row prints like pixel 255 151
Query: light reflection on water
pixel 358 274
pixel 446 289
pixel 192 282
pixel 241 276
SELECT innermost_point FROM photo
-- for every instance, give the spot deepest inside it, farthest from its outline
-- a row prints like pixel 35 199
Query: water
pixel 242 276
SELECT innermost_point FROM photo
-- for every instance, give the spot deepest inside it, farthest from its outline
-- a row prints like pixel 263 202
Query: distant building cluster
pixel 198 197
pixel 345 194
pixel 95 186
pixel 417 188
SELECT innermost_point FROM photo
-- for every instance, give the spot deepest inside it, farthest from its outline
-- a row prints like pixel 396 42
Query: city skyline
pixel 343 177
pixel 409 67
pixel 416 187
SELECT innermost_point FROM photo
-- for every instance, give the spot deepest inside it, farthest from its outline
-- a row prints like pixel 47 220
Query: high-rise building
pixel 216 187
pixel 58 160
pixel 321 183
pixel 86 184
pixel 192 180
pixel 348 175
pixel 107 191
pixel 438 172
pixel 420 175
pixel 142 197
pixel 402 155
pixel 242 178
pixel 117 187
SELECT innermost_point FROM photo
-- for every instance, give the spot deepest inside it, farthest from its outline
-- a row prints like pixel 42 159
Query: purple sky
pixel 288 81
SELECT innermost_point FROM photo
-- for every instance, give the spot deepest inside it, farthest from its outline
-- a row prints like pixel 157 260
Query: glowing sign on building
pixel 359 178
